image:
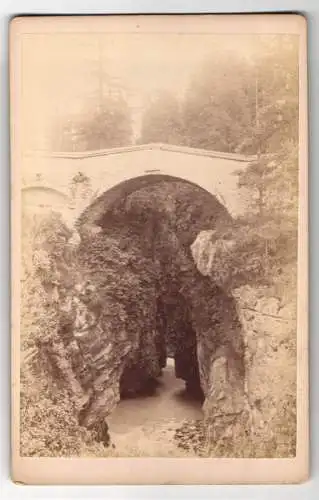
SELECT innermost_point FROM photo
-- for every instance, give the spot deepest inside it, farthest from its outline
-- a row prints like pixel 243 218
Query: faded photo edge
pixel 166 470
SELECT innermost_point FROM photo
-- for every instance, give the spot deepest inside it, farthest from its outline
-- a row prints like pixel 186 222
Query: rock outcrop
pixel 269 329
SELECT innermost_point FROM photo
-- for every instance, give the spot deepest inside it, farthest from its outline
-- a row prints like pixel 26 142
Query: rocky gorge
pixel 151 276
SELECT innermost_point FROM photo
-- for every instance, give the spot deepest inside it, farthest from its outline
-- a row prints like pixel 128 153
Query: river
pixel 145 426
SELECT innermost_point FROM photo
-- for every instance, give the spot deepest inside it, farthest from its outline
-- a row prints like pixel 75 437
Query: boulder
pixel 212 256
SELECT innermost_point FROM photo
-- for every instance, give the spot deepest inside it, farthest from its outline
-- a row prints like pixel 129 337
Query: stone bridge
pixel 47 177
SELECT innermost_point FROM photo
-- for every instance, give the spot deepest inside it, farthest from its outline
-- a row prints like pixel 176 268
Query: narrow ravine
pixel 145 426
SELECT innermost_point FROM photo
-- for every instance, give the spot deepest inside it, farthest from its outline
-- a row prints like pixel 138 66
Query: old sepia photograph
pixel 159 249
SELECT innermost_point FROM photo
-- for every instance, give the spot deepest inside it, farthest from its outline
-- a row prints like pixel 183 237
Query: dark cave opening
pixel 180 340
pixel 176 343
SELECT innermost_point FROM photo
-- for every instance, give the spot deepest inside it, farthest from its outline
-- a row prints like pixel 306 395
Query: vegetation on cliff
pixel 93 309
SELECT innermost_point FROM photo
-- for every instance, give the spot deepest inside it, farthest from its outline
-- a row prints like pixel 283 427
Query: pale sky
pixel 60 71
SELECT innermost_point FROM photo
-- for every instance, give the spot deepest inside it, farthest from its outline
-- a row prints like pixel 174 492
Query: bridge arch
pixel 215 172
pixel 44 196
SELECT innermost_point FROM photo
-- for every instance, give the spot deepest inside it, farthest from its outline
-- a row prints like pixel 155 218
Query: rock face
pixel 210 255
pixel 269 328
pixel 142 291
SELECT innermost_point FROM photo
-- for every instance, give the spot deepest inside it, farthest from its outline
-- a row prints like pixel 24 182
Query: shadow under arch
pixel 109 198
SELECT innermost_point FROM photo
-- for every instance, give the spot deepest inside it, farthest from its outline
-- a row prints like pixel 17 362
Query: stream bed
pixel 147 425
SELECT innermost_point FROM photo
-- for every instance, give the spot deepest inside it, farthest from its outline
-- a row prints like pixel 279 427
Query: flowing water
pixel 146 425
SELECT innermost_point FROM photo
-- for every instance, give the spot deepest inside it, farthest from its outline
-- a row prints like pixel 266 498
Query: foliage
pixel 247 103
pixel 162 120
pixel 81 190
pixel 235 101
pixel 272 177
pixel 48 421
pixel 102 126
pixel 219 107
